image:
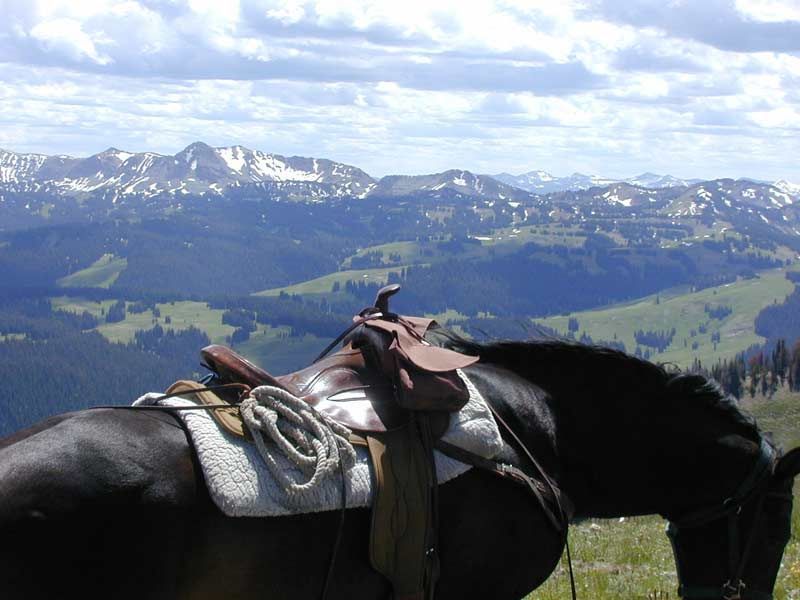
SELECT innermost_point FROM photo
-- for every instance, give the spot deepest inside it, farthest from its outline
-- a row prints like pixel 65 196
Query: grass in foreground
pixel 632 559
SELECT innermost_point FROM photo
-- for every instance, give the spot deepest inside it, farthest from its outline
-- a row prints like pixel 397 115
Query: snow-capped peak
pixel 793 189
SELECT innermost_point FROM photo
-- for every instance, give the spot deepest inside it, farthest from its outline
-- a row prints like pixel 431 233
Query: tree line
pixel 757 371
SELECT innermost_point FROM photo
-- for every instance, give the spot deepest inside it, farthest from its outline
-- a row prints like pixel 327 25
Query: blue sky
pixel 697 88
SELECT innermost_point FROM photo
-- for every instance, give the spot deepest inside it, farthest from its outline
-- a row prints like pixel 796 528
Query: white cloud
pixel 770 11
pixel 606 86
pixel 66 36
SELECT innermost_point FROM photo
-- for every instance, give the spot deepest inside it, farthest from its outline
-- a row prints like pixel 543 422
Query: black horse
pixel 112 504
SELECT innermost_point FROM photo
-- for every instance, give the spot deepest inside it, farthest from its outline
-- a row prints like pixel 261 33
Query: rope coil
pixel 312 441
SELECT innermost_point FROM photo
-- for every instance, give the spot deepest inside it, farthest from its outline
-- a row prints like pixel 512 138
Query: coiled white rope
pixel 311 440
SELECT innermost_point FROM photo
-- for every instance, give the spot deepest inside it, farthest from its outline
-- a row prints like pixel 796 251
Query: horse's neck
pixel 629 450
pixel 629 438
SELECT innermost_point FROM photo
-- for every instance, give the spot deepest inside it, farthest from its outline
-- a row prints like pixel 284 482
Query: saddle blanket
pixel 241 485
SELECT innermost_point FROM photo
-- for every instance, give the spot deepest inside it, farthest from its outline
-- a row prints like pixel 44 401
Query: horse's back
pixel 108 503
pixel 86 498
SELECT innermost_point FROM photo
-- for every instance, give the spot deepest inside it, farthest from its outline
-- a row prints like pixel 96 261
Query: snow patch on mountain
pixel 791 189
pixel 233 157
pixel 271 167
pixel 17 167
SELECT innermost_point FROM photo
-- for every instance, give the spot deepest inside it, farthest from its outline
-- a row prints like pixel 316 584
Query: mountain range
pixel 201 169
pixel 196 169
pixel 38 189
pixel 542 182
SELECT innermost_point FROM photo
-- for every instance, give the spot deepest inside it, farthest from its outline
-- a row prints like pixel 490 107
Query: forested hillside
pixel 49 364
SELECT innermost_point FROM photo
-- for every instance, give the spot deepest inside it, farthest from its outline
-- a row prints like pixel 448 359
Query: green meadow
pixel 686 313
pixel 408 253
pixel 270 347
pixel 502 239
pixel 544 235
pixel 181 315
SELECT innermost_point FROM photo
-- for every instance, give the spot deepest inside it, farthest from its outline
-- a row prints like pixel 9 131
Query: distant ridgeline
pixel 586 254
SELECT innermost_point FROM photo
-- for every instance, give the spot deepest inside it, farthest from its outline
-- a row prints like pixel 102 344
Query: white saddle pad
pixel 241 485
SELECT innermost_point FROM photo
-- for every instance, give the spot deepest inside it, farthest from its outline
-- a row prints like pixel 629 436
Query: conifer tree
pixel 755 368
pixel 780 361
pixel 734 381
pixel 765 382
pixel 794 367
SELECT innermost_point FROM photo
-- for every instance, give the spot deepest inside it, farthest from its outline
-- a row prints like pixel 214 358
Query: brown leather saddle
pixel 396 392
pixel 385 372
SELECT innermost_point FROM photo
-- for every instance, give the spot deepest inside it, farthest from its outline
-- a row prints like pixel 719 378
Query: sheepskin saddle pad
pixel 241 485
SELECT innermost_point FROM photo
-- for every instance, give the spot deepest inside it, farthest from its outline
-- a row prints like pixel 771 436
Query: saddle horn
pixel 382 299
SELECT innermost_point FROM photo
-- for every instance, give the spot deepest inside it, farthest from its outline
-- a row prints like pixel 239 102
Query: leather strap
pixel 402 543
pixel 510 473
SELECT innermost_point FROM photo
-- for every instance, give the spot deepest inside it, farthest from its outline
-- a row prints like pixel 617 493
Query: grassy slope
pixel 323 285
pixel 409 252
pixel 79 305
pixel 7 337
pixel 686 312
pixel 632 558
pixel 503 239
pixel 182 314
pixel 101 273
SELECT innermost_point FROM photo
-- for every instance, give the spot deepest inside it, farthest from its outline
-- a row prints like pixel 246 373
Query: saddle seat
pixel 340 385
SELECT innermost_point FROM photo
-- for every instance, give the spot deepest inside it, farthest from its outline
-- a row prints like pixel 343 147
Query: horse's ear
pixel 788 465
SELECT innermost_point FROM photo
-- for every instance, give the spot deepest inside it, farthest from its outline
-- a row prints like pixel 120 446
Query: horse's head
pixel 733 551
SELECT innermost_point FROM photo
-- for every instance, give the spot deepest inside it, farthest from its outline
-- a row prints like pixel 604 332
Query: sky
pixel 695 88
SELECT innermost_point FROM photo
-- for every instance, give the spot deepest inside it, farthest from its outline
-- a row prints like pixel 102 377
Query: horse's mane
pixel 554 362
